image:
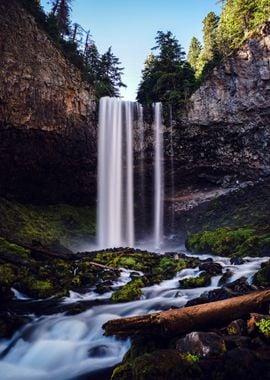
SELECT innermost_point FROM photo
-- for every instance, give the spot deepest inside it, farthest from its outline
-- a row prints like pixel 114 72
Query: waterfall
pixel 159 176
pixel 140 126
pixel 115 173
pixel 172 170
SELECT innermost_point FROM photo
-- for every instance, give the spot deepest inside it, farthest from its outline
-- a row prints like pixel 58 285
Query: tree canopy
pixel 103 71
pixel 167 76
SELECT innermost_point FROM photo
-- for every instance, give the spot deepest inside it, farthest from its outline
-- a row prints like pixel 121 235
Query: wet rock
pixel 237 261
pixel 10 322
pixel 203 344
pixel 237 327
pixel 225 277
pixel 211 268
pixel 233 289
pixel 232 342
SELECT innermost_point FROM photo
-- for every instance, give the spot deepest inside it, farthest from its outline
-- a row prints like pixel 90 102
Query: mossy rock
pixel 262 277
pixel 129 292
pixel 229 242
pixel 13 249
pixel 204 279
pixel 25 222
pixel 158 365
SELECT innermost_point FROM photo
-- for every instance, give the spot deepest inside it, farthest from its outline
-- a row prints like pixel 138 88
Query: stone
pixel 211 268
pixel 237 327
pixel 47 117
pixel 203 344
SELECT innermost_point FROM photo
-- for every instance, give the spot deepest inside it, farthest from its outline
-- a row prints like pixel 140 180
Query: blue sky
pixel 130 26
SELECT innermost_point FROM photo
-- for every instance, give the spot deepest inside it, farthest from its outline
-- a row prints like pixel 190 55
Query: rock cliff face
pixel 226 130
pixel 47 117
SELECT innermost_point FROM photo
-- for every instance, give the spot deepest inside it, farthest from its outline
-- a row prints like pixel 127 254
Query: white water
pixel 64 347
pixel 115 174
pixel 140 126
pixel 172 195
pixel 159 177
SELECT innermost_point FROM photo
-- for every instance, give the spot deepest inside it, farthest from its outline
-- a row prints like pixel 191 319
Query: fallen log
pixel 192 318
pixel 106 267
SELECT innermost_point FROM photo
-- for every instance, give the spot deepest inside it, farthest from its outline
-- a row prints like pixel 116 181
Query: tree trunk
pixel 184 320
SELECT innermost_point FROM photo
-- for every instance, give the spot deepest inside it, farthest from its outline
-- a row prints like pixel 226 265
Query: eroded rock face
pixel 225 134
pixel 47 117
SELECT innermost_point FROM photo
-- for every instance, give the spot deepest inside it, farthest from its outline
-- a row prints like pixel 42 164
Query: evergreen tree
pixel 166 76
pixel 62 15
pixel 238 18
pixel 92 61
pixel 194 52
pixel 210 24
pixel 109 75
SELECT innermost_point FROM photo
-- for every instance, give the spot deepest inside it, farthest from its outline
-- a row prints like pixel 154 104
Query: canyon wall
pixel 225 132
pixel 47 117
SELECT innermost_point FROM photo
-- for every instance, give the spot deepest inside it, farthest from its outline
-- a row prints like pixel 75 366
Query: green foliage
pixel 264 327
pixel 101 71
pixel 194 52
pixel 166 77
pixel 191 358
pixel 23 223
pixel 238 19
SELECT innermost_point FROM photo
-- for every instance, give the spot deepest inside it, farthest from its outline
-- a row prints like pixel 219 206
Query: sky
pixel 130 27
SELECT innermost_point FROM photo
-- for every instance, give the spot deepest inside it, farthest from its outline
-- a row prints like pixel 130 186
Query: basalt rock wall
pixel 225 132
pixel 47 117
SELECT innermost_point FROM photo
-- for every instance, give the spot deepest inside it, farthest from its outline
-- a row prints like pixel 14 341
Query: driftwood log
pixel 185 320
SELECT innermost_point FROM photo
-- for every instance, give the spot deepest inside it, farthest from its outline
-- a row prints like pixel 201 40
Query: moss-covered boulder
pixel 262 277
pixel 129 292
pixel 159 365
pixel 230 242
pixel 204 279
pixel 25 222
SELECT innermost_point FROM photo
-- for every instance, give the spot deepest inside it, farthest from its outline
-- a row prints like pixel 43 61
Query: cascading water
pixel 115 173
pixel 140 126
pixel 172 195
pixel 159 176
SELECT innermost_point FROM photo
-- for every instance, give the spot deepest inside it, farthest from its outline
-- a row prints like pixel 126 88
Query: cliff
pixel 47 117
pixel 226 130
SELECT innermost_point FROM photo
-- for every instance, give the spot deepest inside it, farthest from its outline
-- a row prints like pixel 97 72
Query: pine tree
pixel 62 15
pixel 194 52
pixel 210 24
pixel 238 18
pixel 166 76
pixel 110 75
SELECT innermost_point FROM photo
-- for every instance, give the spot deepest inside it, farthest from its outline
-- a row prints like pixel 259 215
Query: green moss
pixel 41 289
pixel 230 242
pixel 196 282
pixel 232 330
pixel 13 249
pixel 7 274
pixel 262 277
pixel 158 365
pixel 66 223
pixel 129 292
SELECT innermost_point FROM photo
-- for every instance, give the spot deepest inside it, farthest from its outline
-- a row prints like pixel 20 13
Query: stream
pixel 66 347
